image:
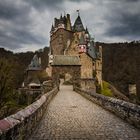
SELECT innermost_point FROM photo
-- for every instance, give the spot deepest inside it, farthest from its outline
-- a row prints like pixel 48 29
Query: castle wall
pixel 86 66
pixel 58 41
pixel 125 110
pixel 98 67
pixel 88 84
pixel 73 48
pixel 58 71
pixel 21 125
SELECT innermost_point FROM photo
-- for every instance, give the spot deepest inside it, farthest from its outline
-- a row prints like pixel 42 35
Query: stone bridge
pixel 71 116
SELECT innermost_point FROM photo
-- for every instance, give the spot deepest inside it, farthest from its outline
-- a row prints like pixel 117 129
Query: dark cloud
pixel 16 25
pixel 125 25
pixel 50 4
pixel 26 23
pixel 9 10
pixel 124 20
pixel 15 38
pixel 42 4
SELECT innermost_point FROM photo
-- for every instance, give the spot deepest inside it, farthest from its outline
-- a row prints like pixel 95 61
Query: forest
pixel 12 69
pixel 119 64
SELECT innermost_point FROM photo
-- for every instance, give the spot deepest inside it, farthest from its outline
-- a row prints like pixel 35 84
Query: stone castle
pixel 73 53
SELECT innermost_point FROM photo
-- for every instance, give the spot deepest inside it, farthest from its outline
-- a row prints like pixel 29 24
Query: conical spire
pixel 78 25
pixel 52 29
pixel 68 23
pixel 61 18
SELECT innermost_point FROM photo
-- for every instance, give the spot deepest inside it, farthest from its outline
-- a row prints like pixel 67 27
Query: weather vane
pixel 78 11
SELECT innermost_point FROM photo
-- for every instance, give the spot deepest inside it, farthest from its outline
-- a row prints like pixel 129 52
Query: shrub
pixel 105 90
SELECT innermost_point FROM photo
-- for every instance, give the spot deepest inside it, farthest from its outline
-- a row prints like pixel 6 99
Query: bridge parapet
pixel 22 124
pixel 125 110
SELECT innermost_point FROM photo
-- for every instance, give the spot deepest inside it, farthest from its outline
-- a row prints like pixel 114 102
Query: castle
pixel 73 54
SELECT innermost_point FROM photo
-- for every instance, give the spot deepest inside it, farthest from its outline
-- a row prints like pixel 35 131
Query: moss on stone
pixel 105 90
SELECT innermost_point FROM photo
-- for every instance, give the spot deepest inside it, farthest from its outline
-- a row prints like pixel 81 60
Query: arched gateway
pixel 66 66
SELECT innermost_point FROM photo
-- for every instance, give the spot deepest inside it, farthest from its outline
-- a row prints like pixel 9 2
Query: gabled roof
pixel 61 60
pixel 78 25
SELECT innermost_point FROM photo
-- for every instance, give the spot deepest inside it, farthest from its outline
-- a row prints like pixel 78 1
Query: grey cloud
pixel 20 18
pixel 9 10
pixel 16 26
pixel 50 4
pixel 14 39
pixel 127 25
pixel 124 20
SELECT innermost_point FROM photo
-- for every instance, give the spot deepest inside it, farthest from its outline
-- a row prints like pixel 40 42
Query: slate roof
pixel 91 50
pixel 78 25
pixel 35 64
pixel 61 60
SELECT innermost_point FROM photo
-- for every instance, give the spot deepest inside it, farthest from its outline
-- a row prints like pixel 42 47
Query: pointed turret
pixel 68 24
pixel 52 29
pixel 86 31
pixel 78 25
pixel 87 35
pixel 61 18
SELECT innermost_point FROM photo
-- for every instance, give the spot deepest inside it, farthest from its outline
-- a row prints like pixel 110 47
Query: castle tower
pixel 87 35
pixel 78 25
pixel 60 34
pixel 98 66
pixel 68 24
pixel 52 30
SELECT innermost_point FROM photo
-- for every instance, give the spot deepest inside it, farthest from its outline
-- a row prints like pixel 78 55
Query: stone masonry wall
pixel 125 110
pixel 58 41
pixel 20 125
pixel 88 84
pixel 86 66
pixel 74 71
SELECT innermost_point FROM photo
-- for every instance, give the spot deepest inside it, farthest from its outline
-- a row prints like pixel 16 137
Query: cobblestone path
pixel 71 116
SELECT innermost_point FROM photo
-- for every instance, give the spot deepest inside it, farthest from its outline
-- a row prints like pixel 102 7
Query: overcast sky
pixel 25 24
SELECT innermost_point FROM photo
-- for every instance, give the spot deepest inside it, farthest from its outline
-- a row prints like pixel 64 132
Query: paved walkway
pixel 71 116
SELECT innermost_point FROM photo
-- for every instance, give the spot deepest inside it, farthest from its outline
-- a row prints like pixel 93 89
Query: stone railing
pixel 20 125
pixel 125 110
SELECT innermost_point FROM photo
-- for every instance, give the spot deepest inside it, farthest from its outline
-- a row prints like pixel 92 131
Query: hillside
pixel 20 61
pixel 119 64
